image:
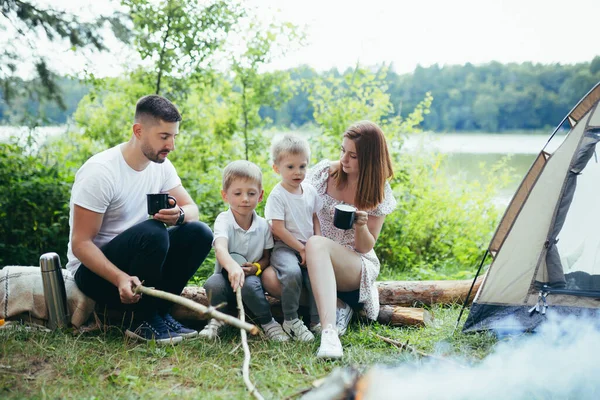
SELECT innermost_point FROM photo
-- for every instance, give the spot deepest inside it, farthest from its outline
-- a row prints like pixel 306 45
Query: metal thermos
pixel 54 291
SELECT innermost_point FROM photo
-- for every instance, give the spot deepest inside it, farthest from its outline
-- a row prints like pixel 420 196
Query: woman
pixel 344 260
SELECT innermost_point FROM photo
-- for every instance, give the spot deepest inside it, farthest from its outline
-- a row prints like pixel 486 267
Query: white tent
pixel 546 249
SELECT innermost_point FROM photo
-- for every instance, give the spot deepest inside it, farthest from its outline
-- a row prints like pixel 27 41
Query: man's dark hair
pixel 157 107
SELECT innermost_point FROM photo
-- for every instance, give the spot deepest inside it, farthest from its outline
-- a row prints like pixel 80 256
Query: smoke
pixel 560 361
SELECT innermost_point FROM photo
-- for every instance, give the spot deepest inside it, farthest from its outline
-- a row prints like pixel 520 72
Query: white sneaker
pixel 212 329
pixel 331 347
pixel 342 318
pixel 297 330
pixel 275 332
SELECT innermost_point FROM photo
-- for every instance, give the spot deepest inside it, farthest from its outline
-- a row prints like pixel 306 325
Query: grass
pixel 106 365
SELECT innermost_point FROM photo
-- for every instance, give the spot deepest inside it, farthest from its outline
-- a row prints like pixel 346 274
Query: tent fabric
pixel 540 243
pixel 585 105
pixel 586 150
pixel 513 319
pixel 517 203
pixel 511 274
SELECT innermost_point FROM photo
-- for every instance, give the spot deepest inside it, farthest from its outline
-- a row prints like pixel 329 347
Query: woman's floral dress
pixel 369 295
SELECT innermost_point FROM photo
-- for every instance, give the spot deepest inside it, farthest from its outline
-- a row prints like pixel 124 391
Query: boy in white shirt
pixel 239 231
pixel 291 210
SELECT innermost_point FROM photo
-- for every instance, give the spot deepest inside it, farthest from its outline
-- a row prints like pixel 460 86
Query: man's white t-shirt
pixel 249 243
pixel 107 185
pixel 295 209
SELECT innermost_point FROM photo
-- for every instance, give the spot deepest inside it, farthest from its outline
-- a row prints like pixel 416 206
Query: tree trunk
pixel 395 297
pixel 411 293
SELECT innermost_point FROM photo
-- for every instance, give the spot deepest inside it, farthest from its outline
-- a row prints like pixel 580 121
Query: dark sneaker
pixel 175 326
pixel 152 328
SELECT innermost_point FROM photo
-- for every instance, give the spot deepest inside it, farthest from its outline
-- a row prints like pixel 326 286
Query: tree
pixel 25 22
pixel 254 89
pixel 179 36
pixel 339 101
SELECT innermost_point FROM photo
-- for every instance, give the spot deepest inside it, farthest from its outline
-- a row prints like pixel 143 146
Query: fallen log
pixel 395 297
pixel 404 316
pixel 411 293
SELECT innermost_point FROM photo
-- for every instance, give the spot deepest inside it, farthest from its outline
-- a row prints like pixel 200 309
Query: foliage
pixel 33 24
pixel 339 100
pixel 34 206
pixel 219 110
pixel 491 97
pixel 252 89
pixel 178 37
pixel 36 111
pixel 496 97
pixel 106 113
pixel 443 223
pixel 440 224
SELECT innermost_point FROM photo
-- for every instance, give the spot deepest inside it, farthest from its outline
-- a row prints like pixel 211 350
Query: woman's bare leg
pixel 331 266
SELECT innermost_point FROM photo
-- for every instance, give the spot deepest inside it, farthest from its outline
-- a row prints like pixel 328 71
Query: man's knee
pixel 154 235
pixel 197 231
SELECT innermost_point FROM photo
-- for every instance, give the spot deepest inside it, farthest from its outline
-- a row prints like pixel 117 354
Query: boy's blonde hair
pixel 241 169
pixel 289 144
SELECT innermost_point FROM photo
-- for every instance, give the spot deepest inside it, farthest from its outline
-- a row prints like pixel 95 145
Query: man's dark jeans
pixel 162 258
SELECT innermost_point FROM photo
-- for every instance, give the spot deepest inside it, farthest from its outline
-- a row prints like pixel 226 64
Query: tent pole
pixel 470 290
pixel 569 113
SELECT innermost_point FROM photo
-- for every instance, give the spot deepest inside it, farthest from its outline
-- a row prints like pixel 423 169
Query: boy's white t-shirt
pixel 107 185
pixel 249 243
pixel 296 210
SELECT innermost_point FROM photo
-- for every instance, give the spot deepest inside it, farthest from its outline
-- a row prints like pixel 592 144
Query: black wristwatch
pixel 181 217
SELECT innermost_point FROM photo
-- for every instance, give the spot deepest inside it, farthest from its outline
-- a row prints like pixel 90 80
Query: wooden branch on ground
pixel 406 346
pixel 200 310
pixel 246 364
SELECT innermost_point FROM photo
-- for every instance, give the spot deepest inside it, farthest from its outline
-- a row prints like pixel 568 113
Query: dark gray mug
pixel 159 201
pixel 343 217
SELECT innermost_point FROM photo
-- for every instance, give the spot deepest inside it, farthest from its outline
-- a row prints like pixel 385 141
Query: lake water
pixel 466 153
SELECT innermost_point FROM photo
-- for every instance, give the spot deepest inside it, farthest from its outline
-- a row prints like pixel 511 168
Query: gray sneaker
pixel 212 329
pixel 297 330
pixel 275 332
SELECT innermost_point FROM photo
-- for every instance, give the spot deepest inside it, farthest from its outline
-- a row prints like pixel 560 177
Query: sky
pixel 425 32
pixel 340 33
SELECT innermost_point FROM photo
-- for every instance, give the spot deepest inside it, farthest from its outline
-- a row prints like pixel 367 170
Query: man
pixel 114 245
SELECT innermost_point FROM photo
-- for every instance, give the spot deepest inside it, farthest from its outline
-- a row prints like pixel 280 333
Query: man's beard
pixel 151 155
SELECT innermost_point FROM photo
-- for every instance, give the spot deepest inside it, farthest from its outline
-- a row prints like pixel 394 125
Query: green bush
pixel 34 207
pixel 441 224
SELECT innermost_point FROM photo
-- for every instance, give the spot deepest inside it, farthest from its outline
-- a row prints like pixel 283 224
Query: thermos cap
pixel 49 262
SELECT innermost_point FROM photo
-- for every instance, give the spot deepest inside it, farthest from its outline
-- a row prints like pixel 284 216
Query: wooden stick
pixel 406 346
pixel 246 365
pixel 199 308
